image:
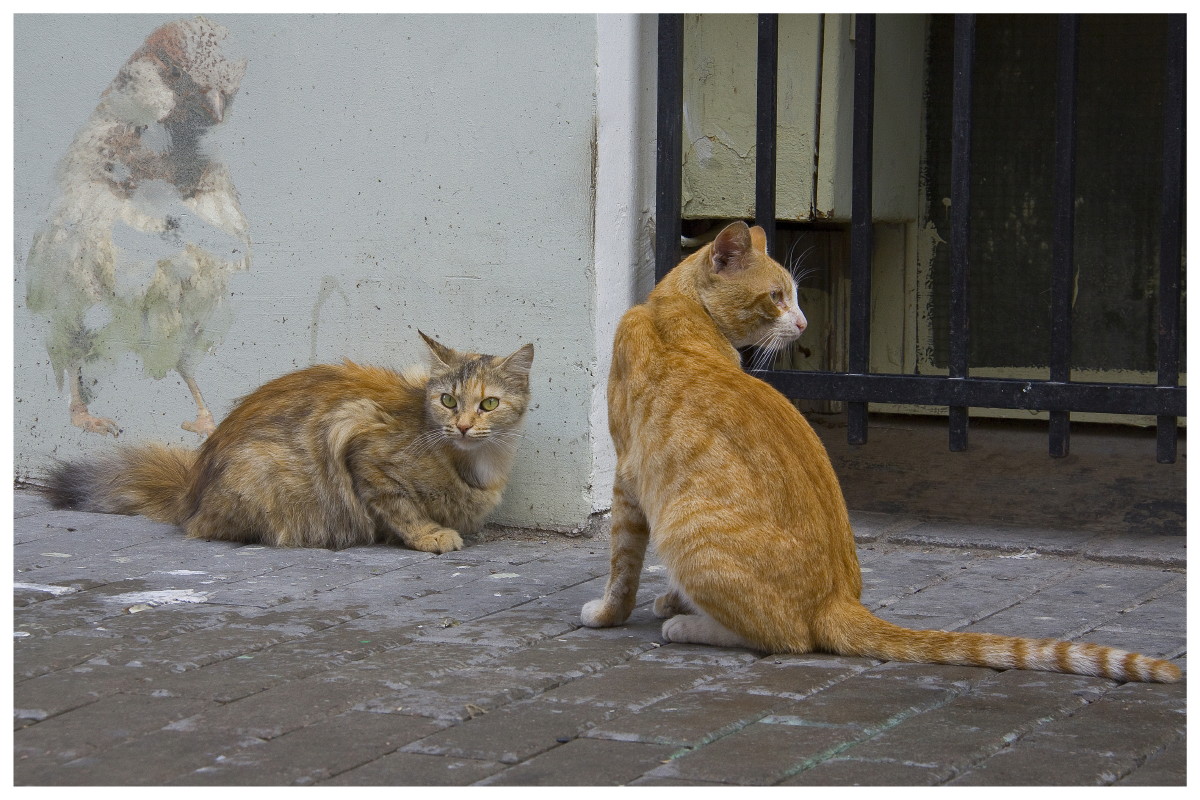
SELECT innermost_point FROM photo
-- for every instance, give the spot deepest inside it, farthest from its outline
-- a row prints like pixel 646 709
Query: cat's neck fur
pixel 485 466
pixel 681 316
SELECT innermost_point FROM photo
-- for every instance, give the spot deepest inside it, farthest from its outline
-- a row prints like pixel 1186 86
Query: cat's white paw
pixel 594 614
pixel 675 629
pixel 701 629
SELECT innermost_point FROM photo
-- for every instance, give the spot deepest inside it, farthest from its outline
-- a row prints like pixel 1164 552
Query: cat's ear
pixel 519 362
pixel 440 355
pixel 731 249
pixel 758 237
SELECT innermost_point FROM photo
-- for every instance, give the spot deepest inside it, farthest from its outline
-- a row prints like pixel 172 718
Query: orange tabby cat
pixel 331 456
pixel 738 496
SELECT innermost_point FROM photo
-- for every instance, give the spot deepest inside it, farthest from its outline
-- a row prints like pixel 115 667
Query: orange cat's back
pixel 725 468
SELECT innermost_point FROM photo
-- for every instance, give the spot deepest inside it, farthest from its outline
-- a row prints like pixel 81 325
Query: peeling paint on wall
pixel 147 227
pixel 329 285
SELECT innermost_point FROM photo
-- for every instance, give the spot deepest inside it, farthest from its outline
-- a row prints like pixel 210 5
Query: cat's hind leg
pixel 630 535
pixel 671 603
pixel 220 517
pixel 700 628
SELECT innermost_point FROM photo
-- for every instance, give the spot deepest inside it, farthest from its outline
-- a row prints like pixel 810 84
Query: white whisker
pixel 507 447
pixel 423 443
pixel 802 274
pixel 765 356
pixel 803 256
pixel 766 348
pixel 790 261
pixel 509 439
pixel 793 263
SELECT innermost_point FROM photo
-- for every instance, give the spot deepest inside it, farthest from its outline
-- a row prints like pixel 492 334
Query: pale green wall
pixel 815 104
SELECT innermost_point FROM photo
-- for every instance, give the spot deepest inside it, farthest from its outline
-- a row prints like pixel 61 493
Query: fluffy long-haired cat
pixel 736 492
pixel 331 456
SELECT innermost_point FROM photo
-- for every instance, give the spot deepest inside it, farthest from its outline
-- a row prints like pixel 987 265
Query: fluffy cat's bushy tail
pixel 151 480
pixel 850 629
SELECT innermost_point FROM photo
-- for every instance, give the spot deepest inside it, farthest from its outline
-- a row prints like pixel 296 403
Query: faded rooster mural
pixel 147 227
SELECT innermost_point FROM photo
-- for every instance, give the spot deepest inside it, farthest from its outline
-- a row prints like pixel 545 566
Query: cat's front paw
pixel 596 614
pixel 442 540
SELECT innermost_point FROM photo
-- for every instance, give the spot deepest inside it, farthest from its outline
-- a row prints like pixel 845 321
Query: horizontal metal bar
pixel 934 390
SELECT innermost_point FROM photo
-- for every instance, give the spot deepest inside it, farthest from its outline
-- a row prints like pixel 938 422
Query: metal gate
pixel 1165 400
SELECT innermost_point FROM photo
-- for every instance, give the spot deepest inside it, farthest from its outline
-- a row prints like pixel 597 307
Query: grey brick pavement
pixel 143 658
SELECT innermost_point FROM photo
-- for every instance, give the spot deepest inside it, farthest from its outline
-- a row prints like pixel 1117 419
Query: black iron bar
pixel 960 217
pixel 861 238
pixel 958 391
pixel 935 390
pixel 1174 164
pixel 766 126
pixel 1062 281
pixel 668 200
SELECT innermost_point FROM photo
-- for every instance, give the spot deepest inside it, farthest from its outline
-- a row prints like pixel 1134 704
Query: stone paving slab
pixel 585 762
pixel 144 658
pixel 1080 749
pixel 1168 767
pixel 312 753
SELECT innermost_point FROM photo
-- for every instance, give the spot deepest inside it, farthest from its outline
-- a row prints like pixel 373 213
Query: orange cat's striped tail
pixel 850 629
pixel 151 480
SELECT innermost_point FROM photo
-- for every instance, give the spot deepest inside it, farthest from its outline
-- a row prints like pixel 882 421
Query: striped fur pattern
pixel 728 482
pixel 331 456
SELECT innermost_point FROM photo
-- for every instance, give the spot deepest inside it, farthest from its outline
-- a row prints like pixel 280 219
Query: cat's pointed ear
pixel 440 355
pixel 758 238
pixel 731 249
pixel 519 362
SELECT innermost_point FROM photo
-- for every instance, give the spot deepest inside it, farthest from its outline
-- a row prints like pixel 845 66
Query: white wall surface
pixel 626 106
pixel 398 172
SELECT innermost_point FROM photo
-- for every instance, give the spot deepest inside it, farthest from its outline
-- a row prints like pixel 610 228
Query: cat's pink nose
pixel 463 427
pixel 801 325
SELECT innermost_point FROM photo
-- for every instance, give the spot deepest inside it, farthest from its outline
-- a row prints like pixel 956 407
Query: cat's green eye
pixel 448 401
pixel 776 295
pixel 489 404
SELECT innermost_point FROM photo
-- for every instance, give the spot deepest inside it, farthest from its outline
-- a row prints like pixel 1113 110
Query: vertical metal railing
pixel 958 391
pixel 766 124
pixel 1062 280
pixel 862 238
pixel 668 193
pixel 960 218
pixel 1174 165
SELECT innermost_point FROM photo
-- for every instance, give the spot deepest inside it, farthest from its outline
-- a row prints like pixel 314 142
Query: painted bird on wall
pixel 147 227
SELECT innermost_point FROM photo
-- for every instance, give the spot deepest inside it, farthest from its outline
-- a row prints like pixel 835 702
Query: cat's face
pixel 474 399
pixel 751 296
